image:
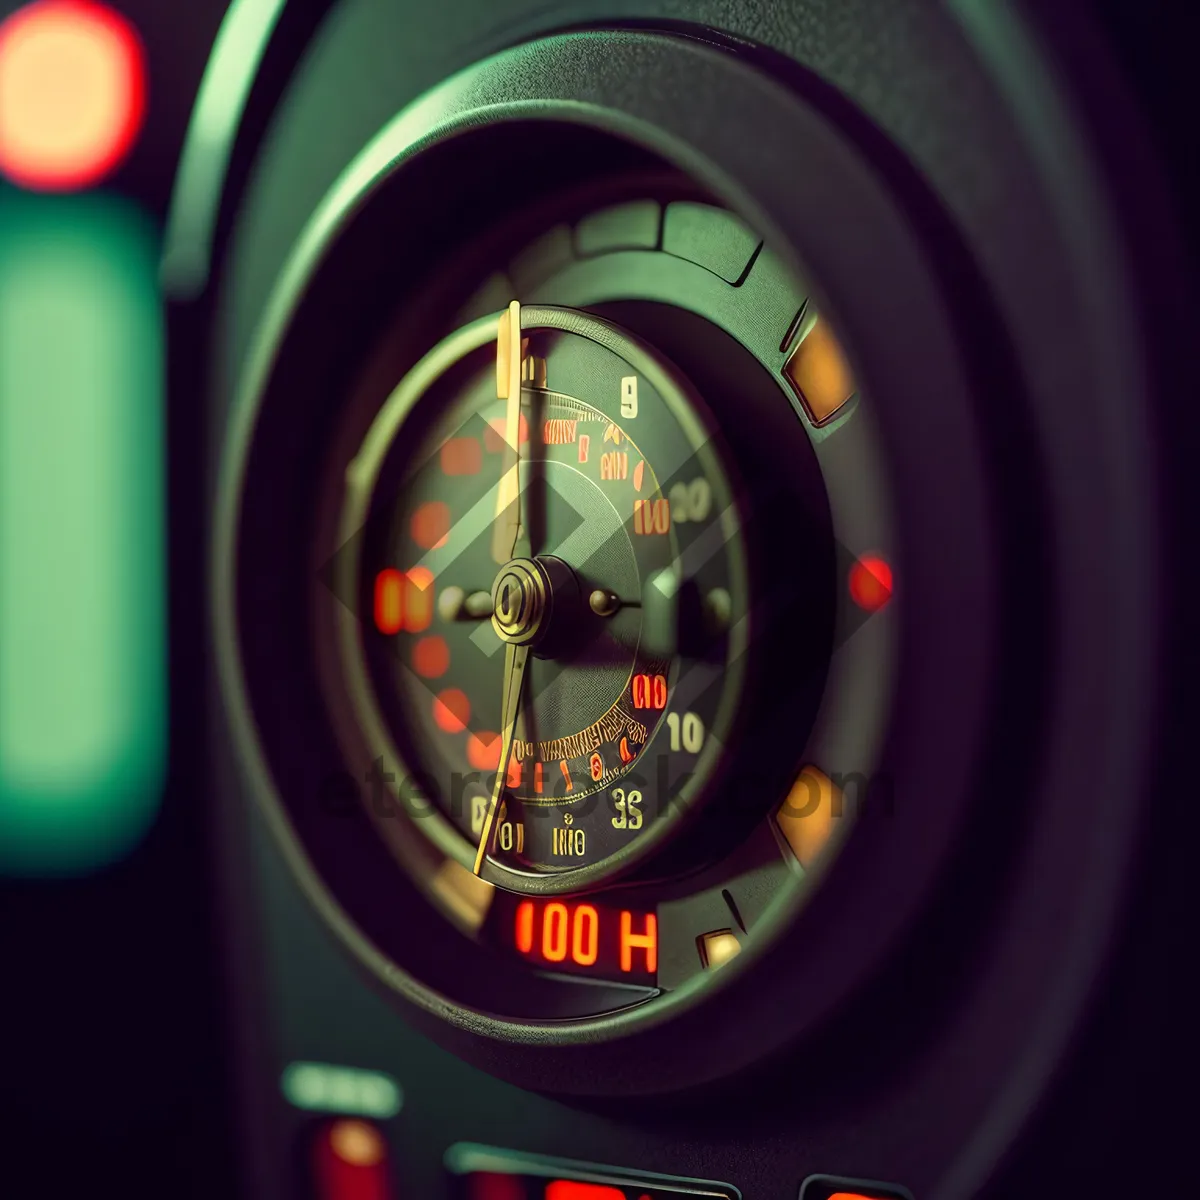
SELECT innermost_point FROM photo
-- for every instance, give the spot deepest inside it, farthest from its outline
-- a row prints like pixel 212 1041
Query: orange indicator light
pixel 451 710
pixel 483 751
pixel 870 583
pixel 819 373
pixel 431 524
pixel 418 599
pixel 431 657
pixel 462 456
pixel 389 601
pixel 403 600
pixel 72 93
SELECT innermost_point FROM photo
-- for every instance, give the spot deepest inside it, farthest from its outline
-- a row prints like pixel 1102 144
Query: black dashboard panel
pixel 678 641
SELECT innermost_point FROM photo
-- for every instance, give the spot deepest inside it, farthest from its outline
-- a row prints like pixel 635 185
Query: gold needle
pixel 515 658
pixel 507 527
pixel 505 532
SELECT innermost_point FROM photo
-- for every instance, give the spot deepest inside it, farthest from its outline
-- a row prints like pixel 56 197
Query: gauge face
pixel 554 596
pixel 591 679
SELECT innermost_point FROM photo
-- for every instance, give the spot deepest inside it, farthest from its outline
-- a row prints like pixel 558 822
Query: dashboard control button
pixel 819 374
pixel 717 947
pixel 351 1162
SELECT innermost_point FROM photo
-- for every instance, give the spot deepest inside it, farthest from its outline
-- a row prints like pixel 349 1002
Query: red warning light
pixel 870 583
pixel 570 1189
pixel 72 93
pixel 351 1162
pixel 389 601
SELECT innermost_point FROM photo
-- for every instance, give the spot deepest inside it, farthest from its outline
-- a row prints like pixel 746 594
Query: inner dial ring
pixel 627 586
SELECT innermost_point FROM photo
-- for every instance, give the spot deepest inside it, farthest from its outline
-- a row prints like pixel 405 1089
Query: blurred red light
pixel 72 93
pixel 569 1189
pixel 870 583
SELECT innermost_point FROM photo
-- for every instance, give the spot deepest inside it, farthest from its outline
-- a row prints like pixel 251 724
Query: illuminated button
pixel 826 1187
pixel 806 816
pixel 819 374
pixel 717 947
pixel 350 1162
pixel 72 93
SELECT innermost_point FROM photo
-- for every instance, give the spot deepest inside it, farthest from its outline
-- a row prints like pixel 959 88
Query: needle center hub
pixel 521 601
pixel 525 595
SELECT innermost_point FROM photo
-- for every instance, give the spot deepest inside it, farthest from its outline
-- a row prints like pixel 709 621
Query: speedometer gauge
pixel 597 636
pixel 555 595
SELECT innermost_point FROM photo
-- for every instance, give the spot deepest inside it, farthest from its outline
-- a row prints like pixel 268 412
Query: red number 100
pixel 563 932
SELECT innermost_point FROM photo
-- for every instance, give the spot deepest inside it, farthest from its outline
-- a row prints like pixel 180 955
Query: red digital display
pixel 579 936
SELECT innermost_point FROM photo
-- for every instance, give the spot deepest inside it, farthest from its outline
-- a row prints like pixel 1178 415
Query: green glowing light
pixel 82 676
pixel 319 1087
pixel 231 69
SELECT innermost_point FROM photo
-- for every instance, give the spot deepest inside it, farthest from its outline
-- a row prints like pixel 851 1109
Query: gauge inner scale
pixel 558 598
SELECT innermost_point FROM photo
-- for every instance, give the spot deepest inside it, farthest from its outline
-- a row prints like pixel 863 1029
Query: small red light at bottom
pixel 351 1162
pixel 568 1189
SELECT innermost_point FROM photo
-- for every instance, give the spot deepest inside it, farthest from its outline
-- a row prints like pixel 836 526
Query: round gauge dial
pixel 594 681
pixel 546 551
